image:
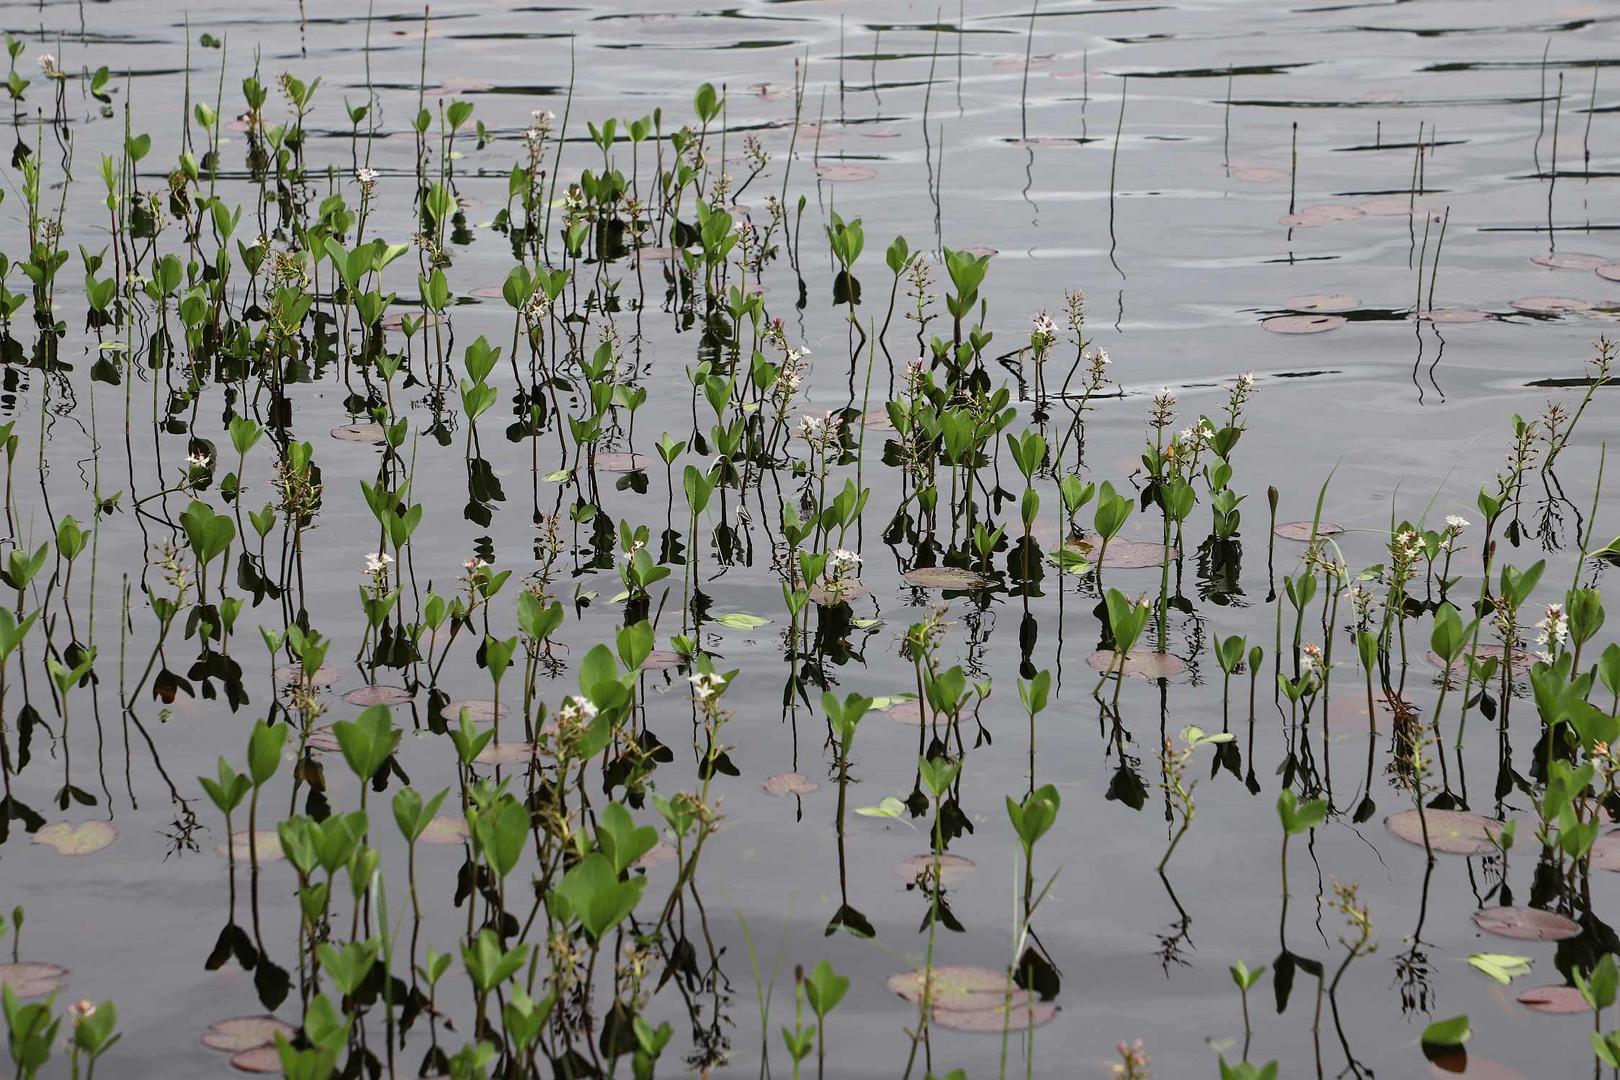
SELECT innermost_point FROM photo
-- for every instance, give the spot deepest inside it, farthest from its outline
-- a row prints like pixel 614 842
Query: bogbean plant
pixel 561 946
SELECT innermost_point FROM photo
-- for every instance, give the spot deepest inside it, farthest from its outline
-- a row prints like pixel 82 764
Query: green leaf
pixel 1503 967
pixel 1452 1032
pixel 741 620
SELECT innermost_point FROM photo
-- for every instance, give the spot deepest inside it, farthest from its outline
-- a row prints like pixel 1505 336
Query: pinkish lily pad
pixel 241 1033
pixel 508 753
pixel 1455 832
pixel 1608 271
pixel 845 592
pixel 1550 305
pixel 950 867
pixel 31 979
pixel 1556 1000
pixel 85 838
pixel 1570 260
pixel 1526 924
pixel 946 578
pixel 1259 174
pixel 369 434
pixel 1301 530
pixel 1302 324
pixel 1019 1015
pixel 367 696
pixel 957 988
pixel 479 711
pixel 445 829
pixel 845 172
pixel 620 463
pixel 266 841
pixel 1454 316
pixel 1322 302
pixel 325 675
pixel 1147 663
pixel 260 1059
pixel 1121 554
pixel 789 783
pixel 1310 217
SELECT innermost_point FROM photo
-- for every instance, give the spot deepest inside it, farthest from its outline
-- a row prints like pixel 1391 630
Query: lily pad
pixel 508 753
pixel 845 172
pixel 1608 271
pixel 396 321
pixel 367 696
pixel 1147 663
pixel 908 712
pixel 945 577
pixel 85 838
pixel 1454 316
pixel 370 434
pixel 445 829
pixel 1523 659
pixel 1526 924
pixel 323 740
pixel 1301 530
pixel 1259 174
pixel 950 867
pixel 846 592
pixel 1396 206
pixel 267 841
pixel 657 855
pixel 1018 1015
pixel 953 988
pixel 1310 217
pixel 241 1033
pixel 31 979
pixel 1454 1062
pixel 1605 851
pixel 659 254
pixel 661 659
pixel 479 711
pixel 325 675
pixel 1302 324
pixel 1550 305
pixel 1121 554
pixel 620 463
pixel 1455 832
pixel 789 783
pixel 1570 260
pixel 1322 302
pixel 1555 1000
pixel 260 1059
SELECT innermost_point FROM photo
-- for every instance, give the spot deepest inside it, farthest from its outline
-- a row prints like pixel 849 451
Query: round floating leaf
pixel 323 740
pixel 1526 924
pixel 620 463
pixel 1302 324
pixel 267 841
pixel 1020 1015
pixel 479 711
pixel 508 753
pixel 370 434
pixel 1301 530
pixel 657 855
pixel 1259 174
pixel 789 783
pixel 955 988
pixel 845 172
pixel 1455 832
pixel 951 868
pixel 1523 659
pixel 260 1059
pixel 1144 662
pixel 1608 271
pixel 1396 206
pixel 661 659
pixel 655 254
pixel 84 838
pixel 367 696
pixel 396 321
pixel 1121 554
pixel 1454 316
pixel 241 1033
pixel 1570 260
pixel 1550 305
pixel 947 578
pixel 1556 1000
pixel 32 979
pixel 1322 302
pixel 845 592
pixel 908 712
pixel 325 675
pixel 1452 1062
pixel 1310 217
pixel 1605 852
pixel 445 829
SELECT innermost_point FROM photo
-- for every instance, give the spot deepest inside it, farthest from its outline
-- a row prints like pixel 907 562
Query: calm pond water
pixel 1233 188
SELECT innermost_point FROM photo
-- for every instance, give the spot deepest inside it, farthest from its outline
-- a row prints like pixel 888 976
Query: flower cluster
pixel 1553 629
pixel 706 684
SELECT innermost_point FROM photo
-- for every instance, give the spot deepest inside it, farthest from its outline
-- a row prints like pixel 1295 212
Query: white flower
pixel 199 461
pixel 1100 358
pixel 1554 627
pixel 630 554
pixel 1456 523
pixel 843 562
pixel 47 64
pixel 367 178
pixel 706 684
pixel 576 709
pixel 1246 381
pixel 474 564
pixel 377 563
